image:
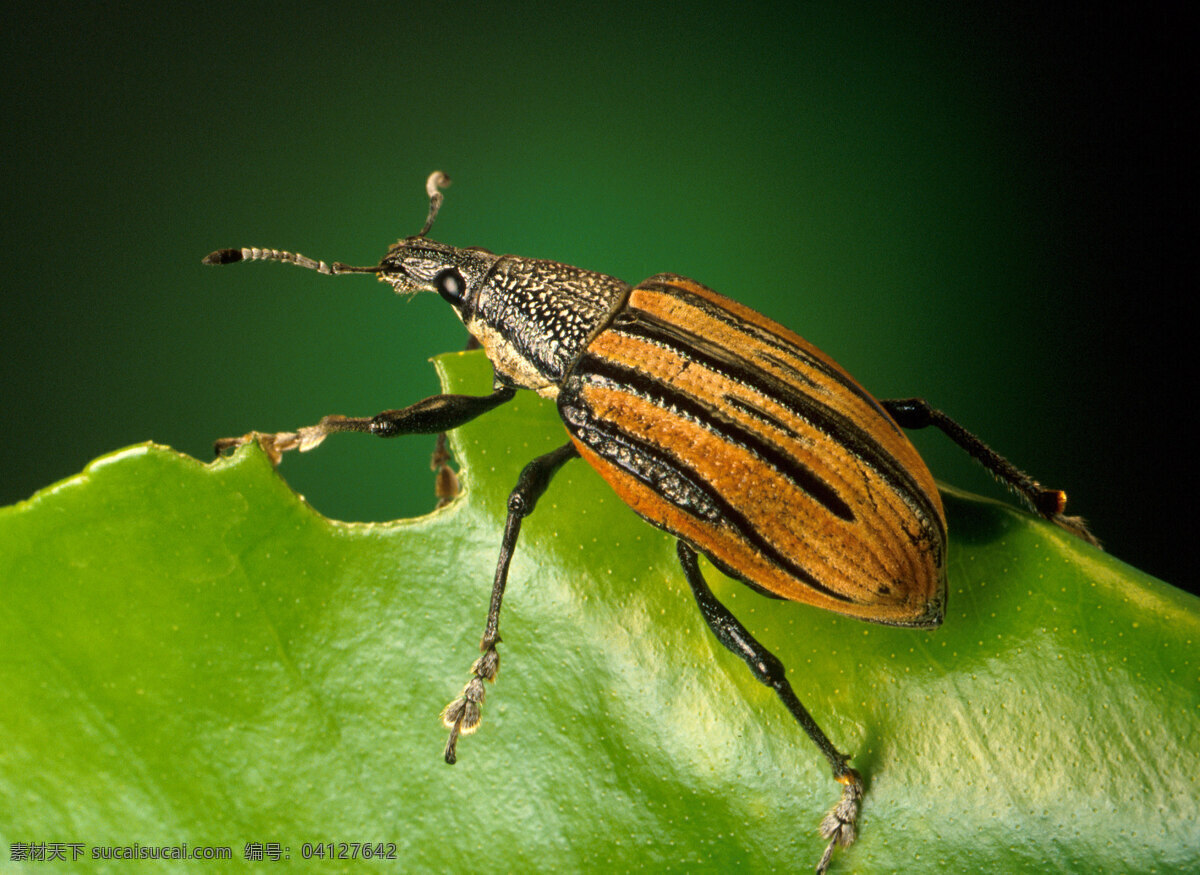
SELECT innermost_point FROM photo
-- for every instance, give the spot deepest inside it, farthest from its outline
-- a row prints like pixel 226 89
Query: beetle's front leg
pixel 839 825
pixel 462 715
pixel 438 413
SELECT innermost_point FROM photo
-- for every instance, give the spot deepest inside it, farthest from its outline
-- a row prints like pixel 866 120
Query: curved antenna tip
pixel 437 180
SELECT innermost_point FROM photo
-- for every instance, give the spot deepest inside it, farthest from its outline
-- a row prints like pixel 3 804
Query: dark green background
pixel 984 206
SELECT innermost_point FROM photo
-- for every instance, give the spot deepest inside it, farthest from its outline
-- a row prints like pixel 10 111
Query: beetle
pixel 715 424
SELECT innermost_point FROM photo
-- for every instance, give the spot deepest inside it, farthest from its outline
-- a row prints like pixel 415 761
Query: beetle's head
pixel 413 264
pixel 417 264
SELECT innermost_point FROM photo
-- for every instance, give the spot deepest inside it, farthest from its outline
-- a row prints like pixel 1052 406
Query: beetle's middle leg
pixel 462 715
pixel 435 414
pixel 839 824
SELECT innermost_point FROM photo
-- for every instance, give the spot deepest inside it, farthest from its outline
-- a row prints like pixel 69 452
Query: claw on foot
pixel 1052 504
pixel 462 716
pixel 275 445
pixel 840 824
pixel 1077 526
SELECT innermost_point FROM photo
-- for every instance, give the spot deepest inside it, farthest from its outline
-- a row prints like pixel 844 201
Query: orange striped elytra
pixel 711 421
pixel 825 500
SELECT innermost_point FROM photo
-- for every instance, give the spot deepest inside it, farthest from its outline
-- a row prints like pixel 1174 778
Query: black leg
pixel 462 715
pixel 839 824
pixel 1049 503
pixel 435 414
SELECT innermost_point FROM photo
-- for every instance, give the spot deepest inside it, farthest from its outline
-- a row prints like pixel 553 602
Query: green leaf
pixel 192 654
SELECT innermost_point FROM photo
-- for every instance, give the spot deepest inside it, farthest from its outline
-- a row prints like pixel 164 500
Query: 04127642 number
pixel 348 850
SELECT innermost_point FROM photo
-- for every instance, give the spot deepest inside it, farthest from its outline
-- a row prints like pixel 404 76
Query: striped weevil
pixel 713 423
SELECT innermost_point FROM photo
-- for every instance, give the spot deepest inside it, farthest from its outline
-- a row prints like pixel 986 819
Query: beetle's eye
pixel 449 284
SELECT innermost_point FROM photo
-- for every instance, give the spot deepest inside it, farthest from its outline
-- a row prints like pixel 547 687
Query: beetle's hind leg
pixel 1049 503
pixel 839 825
pixel 462 715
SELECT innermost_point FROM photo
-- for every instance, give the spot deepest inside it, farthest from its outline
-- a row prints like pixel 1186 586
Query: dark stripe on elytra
pixel 771 339
pixel 595 432
pixel 639 324
pixel 624 378
pixel 762 416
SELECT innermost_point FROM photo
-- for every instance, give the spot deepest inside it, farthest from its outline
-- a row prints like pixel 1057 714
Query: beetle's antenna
pixel 230 256
pixel 436 180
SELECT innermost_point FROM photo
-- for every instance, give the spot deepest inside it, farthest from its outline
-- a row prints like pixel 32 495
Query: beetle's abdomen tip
pixel 932 615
